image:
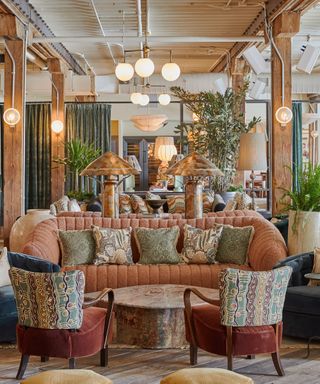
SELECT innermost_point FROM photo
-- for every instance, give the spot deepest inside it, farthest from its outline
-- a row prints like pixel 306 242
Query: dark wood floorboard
pixel 136 366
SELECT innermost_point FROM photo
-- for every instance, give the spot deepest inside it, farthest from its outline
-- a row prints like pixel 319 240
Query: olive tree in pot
pixel 216 133
pixel 303 204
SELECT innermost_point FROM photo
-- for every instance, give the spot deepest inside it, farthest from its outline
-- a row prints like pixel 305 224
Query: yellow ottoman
pixel 205 376
pixel 67 376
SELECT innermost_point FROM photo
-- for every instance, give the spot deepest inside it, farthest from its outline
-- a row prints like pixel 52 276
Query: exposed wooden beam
pixel 287 24
pixel 33 17
pixel 10 27
pixel 13 138
pixel 273 8
pixel 57 140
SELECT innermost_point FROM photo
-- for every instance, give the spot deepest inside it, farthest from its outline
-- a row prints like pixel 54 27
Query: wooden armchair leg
pixel 104 357
pixel 72 363
pixel 193 354
pixel 229 348
pixel 44 359
pixel 277 363
pixel 22 367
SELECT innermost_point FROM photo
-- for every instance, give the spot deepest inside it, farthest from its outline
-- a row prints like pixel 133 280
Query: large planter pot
pixel 24 226
pixel 303 231
pixel 227 196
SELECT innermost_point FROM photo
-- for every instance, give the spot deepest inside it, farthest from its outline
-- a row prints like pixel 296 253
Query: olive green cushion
pixel 77 247
pixel 65 376
pixel 158 246
pixel 234 244
pixel 205 376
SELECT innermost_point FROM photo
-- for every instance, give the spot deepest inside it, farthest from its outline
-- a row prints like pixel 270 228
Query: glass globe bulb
pixel 284 115
pixel 144 100
pixel 144 67
pixel 124 71
pixel 170 71
pixel 11 116
pixel 164 99
pixel 135 97
pixel 57 126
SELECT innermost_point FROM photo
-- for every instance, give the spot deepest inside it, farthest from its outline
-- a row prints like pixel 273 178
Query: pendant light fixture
pixel 144 100
pixel 144 67
pixel 57 124
pixel 135 97
pixel 11 116
pixel 164 99
pixel 124 71
pixel 170 71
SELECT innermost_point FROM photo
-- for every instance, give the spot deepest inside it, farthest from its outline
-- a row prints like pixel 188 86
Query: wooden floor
pixel 135 366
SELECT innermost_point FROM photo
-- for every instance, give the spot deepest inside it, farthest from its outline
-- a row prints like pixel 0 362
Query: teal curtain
pixel 38 156
pixel 91 123
pixel 296 142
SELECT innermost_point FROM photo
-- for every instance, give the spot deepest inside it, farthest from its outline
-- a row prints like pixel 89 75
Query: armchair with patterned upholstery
pixel 53 319
pixel 247 320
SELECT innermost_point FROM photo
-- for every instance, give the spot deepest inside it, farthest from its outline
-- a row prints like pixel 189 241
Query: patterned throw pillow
pixel 49 300
pixel 158 246
pixel 200 245
pixel 218 203
pixel 125 204
pixel 139 205
pixel 176 204
pixel 207 200
pixel 234 244
pixel 77 247
pixel 62 204
pixel 113 246
pixel 243 200
pixel 230 206
pixel 4 268
pixel 73 206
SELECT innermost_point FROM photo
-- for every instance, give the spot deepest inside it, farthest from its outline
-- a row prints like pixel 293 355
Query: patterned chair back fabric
pixel 252 298
pixel 49 300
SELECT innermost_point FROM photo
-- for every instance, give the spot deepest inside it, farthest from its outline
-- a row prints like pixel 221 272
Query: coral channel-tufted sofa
pixel 266 249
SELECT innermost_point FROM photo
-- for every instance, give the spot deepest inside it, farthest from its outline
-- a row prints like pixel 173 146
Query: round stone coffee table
pixel 152 316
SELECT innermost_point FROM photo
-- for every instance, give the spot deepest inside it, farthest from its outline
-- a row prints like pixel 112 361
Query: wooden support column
pixel 239 70
pixel 57 140
pixel 284 27
pixel 13 138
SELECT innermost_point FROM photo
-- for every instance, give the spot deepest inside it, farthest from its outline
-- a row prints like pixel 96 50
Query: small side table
pixel 312 276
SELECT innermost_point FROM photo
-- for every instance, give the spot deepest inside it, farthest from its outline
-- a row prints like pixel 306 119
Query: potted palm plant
pixel 303 204
pixel 78 156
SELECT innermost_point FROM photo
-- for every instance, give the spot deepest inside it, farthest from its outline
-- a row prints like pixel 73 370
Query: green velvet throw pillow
pixel 234 245
pixel 158 246
pixel 77 247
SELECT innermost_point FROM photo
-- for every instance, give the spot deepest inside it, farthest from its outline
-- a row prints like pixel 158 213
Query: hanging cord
pixel 273 44
pixel 13 74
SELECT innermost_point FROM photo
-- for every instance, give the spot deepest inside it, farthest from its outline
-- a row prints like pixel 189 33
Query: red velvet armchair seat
pixel 54 321
pixel 247 320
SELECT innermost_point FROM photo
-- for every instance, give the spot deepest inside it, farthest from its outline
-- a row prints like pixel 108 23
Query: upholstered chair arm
pixel 101 295
pixel 188 310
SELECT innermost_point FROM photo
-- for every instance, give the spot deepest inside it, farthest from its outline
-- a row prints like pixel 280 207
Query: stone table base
pixel 152 316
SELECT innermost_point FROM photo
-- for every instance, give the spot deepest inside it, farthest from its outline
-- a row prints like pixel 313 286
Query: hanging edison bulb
pixel 284 115
pixel 11 116
pixel 57 126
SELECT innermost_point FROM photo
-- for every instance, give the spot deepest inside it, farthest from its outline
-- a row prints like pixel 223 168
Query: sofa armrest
pixel 43 242
pixel 301 264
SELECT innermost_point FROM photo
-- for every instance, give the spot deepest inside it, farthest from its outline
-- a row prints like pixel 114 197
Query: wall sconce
pixel 57 125
pixel 11 116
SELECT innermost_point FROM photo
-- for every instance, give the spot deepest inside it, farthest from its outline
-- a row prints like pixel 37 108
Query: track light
pixel 257 89
pixel 308 59
pixel 255 60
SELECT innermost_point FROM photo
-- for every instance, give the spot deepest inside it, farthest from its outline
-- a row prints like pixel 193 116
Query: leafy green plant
pixel 216 134
pixel 78 156
pixel 235 188
pixel 80 196
pixel 307 196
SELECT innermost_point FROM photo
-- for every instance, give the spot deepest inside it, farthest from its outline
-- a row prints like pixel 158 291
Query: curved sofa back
pixel 266 249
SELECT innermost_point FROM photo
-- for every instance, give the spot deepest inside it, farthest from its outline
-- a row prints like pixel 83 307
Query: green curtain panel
pixel 91 123
pixel 296 142
pixel 38 156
